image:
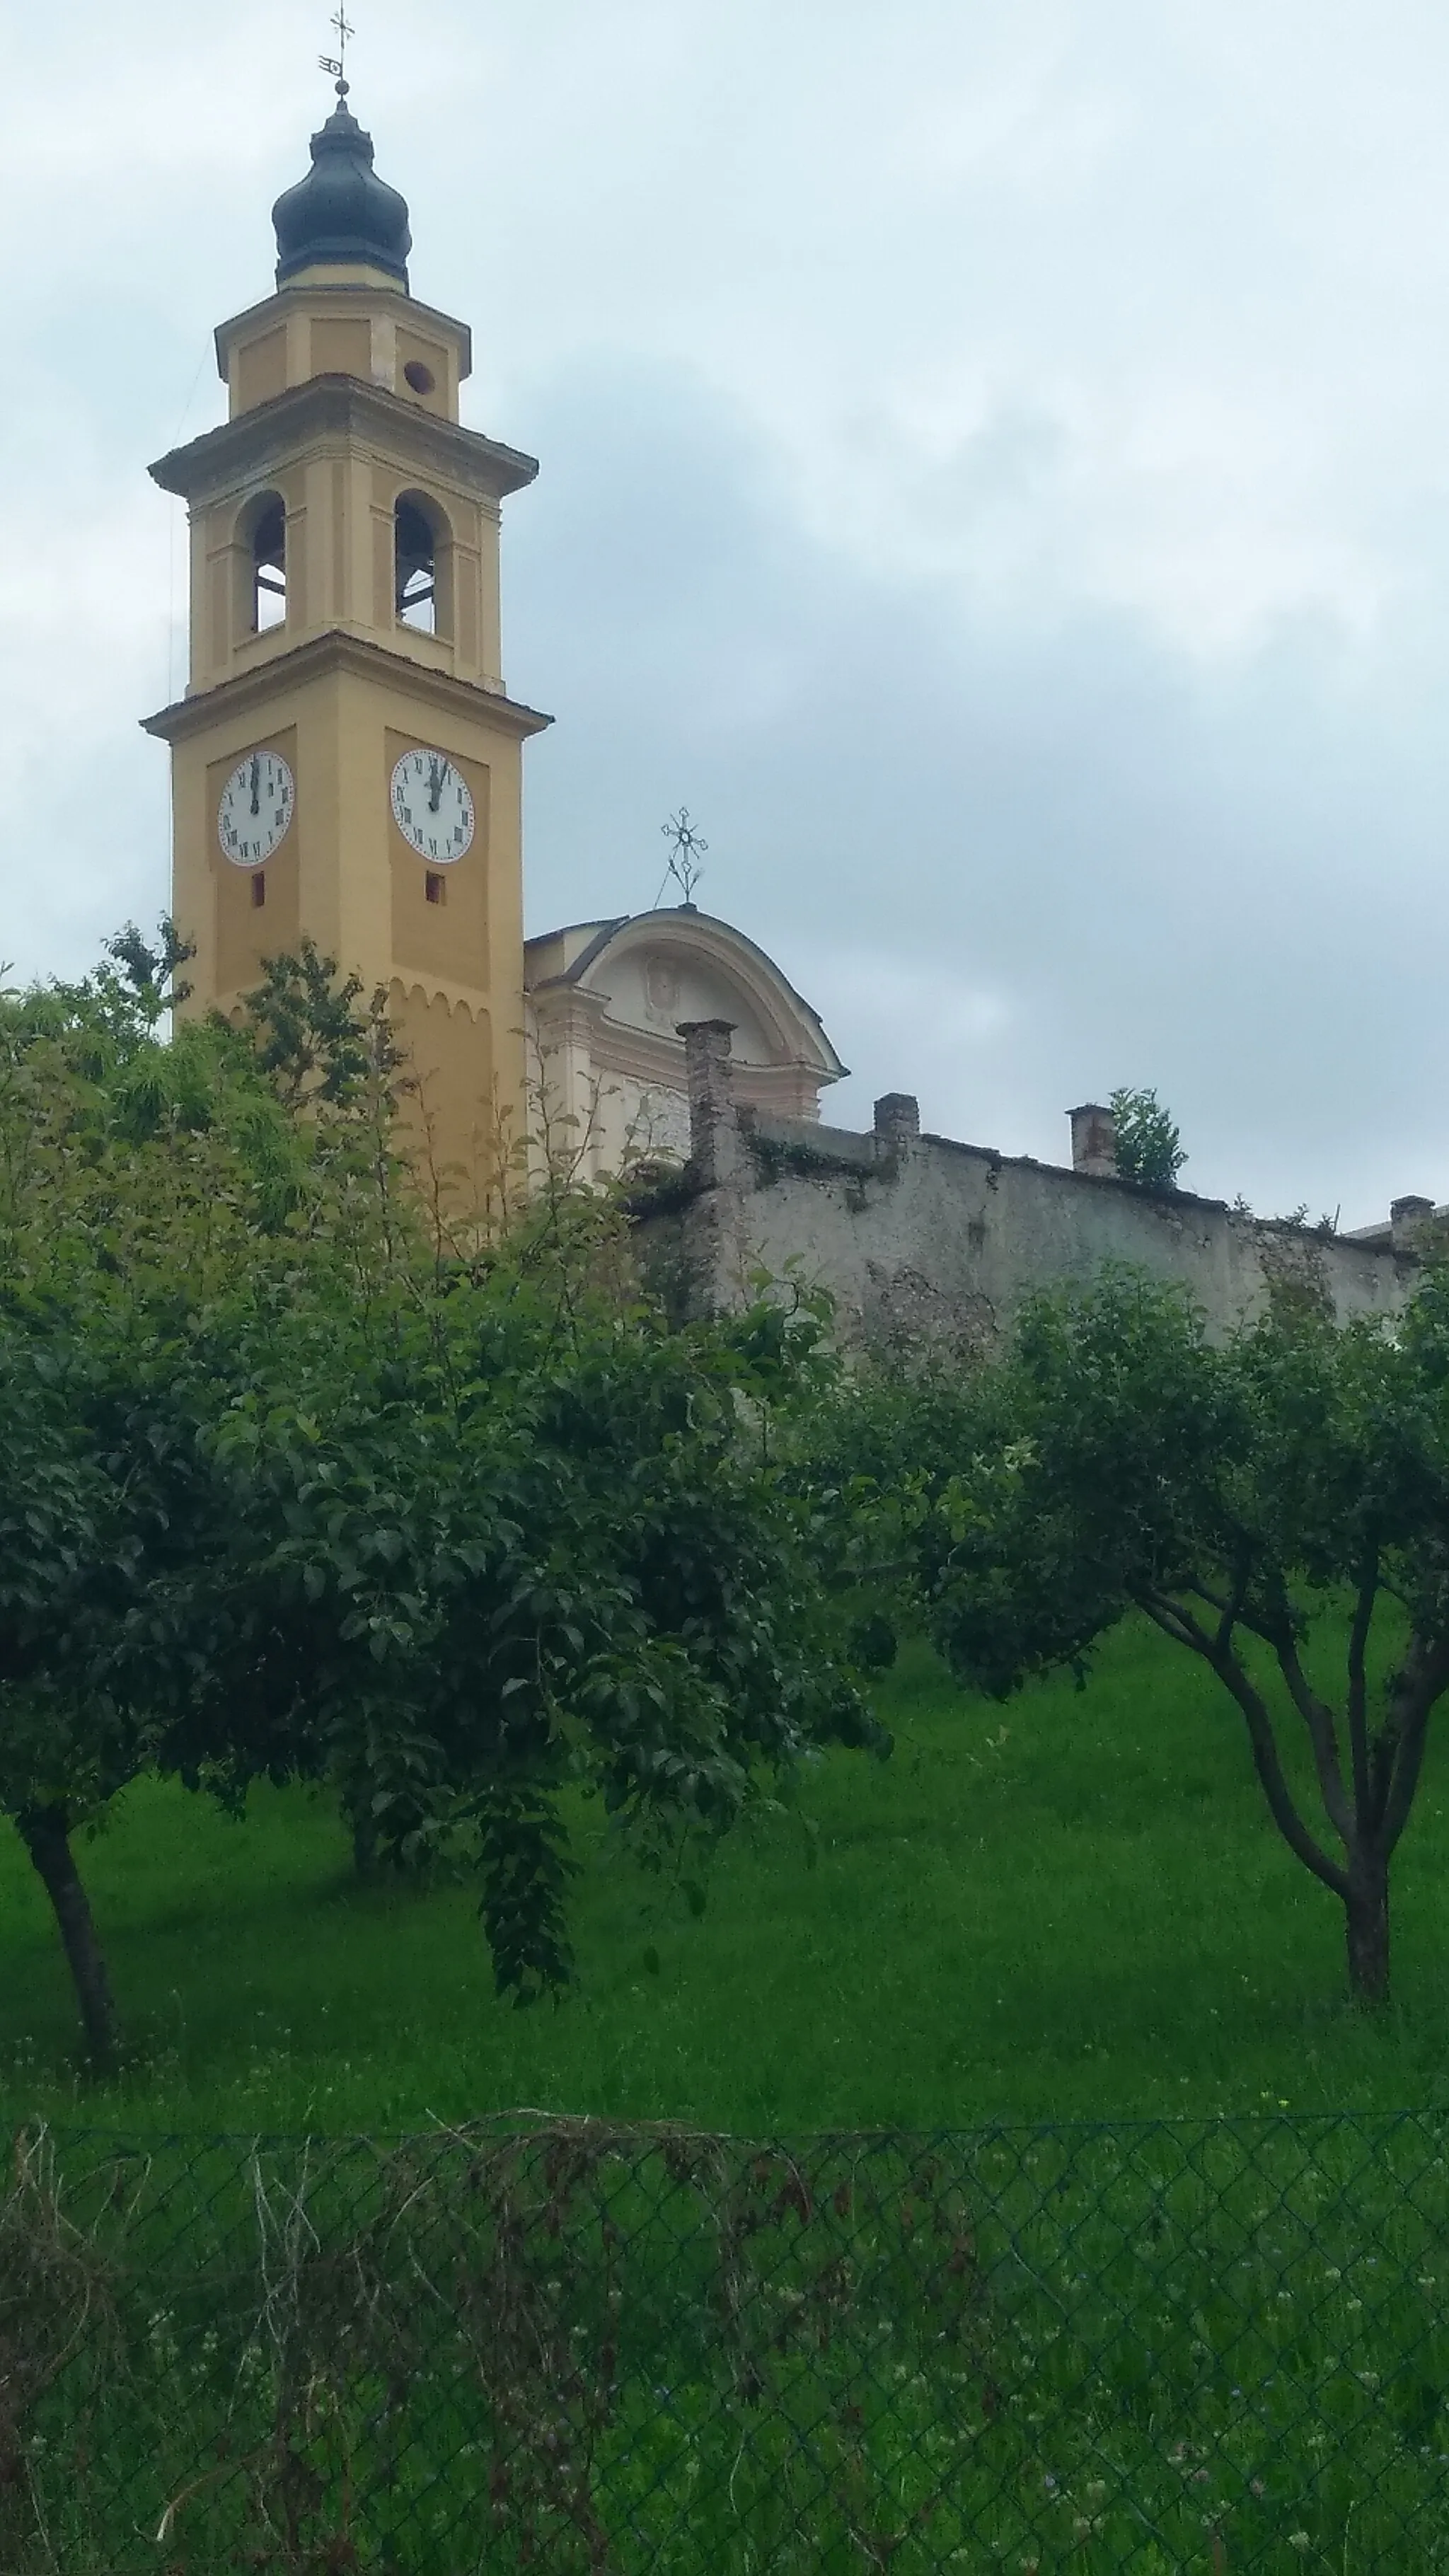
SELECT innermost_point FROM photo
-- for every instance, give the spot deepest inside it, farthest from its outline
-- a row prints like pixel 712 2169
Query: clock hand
pixel 438 771
pixel 256 784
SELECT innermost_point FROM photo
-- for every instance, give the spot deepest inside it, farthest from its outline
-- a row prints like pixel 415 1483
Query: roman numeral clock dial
pixel 256 808
pixel 432 806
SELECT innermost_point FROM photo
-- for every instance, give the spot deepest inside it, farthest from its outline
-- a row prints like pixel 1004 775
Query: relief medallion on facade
pixel 661 990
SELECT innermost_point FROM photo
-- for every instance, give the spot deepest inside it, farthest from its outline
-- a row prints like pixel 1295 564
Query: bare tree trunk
pixel 365 1858
pixel 1367 1909
pixel 45 1832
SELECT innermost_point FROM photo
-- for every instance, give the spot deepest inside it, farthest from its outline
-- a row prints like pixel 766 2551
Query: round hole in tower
pixel 421 378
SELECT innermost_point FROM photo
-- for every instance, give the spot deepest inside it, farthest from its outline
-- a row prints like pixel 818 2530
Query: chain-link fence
pixel 1216 2345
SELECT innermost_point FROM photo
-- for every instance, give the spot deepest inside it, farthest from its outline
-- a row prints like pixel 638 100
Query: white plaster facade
pixel 604 1002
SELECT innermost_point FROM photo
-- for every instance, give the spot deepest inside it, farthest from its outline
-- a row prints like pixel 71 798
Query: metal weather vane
pixel 686 854
pixel 336 63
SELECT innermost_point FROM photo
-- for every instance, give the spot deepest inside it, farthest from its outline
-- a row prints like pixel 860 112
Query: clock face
pixel 433 806
pixel 256 808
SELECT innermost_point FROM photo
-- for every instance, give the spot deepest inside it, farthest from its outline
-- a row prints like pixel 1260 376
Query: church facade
pixel 605 1005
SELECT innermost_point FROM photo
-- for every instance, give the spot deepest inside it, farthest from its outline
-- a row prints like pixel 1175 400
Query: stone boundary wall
pixel 920 1239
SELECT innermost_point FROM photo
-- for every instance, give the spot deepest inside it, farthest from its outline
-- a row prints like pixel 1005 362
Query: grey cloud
pixel 993 472
pixel 1086 856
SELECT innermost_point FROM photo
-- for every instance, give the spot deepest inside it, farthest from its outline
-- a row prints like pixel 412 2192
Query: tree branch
pixel 1232 1608
pixel 1285 1815
pixel 1318 1718
pixel 1397 1758
pixel 1358 1691
pixel 1179 1624
pixel 1405 1781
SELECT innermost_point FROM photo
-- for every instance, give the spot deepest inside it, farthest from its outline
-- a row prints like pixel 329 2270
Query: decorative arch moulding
pixel 428 996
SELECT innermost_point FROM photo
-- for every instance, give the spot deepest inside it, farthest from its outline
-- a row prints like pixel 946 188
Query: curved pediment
pixel 647 973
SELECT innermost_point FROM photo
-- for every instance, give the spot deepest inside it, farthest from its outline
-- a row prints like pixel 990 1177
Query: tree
pixel 59 1534
pixel 523 1540
pixel 299 1492
pixel 309 1036
pixel 1275 1505
pixel 138 1181
pixel 1147 1144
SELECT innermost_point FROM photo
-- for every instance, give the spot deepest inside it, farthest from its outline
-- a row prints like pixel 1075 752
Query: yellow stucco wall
pixel 344 874
pixel 352 321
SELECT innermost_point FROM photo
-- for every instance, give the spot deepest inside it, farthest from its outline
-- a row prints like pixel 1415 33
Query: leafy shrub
pixel 1149 1148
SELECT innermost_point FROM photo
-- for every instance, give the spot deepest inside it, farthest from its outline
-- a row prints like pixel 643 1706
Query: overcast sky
pixel 995 471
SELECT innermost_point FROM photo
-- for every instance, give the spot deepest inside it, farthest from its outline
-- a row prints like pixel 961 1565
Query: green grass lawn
pixel 1073 1906
pixel 1181 2351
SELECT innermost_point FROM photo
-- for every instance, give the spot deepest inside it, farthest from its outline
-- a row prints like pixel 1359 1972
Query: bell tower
pixel 346 761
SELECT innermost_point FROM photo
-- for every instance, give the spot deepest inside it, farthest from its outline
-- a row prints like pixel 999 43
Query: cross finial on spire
pixel 337 64
pixel 688 851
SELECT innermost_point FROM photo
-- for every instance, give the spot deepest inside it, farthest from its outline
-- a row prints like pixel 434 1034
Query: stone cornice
pixel 649 1056
pixel 339 651
pixel 561 1005
pixel 251 447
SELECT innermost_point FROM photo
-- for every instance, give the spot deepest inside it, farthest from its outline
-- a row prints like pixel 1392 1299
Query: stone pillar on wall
pixel 719 1166
pixel 561 1027
pixel 715 1150
pixel 1411 1221
pixel 897 1124
pixel 1094 1141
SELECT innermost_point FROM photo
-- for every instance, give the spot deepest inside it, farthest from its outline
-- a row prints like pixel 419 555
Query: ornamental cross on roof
pixel 336 63
pixel 685 857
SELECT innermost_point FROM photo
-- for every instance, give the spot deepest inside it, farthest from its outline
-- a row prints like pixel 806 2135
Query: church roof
pixel 342 214
pixel 582 953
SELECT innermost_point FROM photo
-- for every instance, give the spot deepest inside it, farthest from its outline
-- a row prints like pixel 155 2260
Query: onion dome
pixel 342 213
